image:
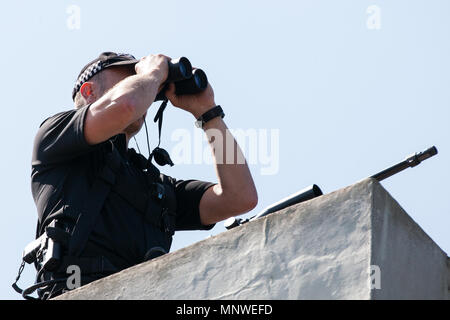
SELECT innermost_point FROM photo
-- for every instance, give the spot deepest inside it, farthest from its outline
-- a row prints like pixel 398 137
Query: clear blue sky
pixel 348 100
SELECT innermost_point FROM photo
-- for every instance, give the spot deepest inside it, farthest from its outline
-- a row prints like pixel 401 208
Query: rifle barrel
pixel 303 195
pixel 409 162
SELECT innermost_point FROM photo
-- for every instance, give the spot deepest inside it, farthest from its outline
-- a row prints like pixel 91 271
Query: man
pixel 112 208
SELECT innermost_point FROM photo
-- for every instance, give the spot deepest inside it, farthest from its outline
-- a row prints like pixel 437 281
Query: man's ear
pixel 87 91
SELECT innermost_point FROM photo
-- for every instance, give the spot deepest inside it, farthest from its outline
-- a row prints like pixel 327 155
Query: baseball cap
pixel 104 60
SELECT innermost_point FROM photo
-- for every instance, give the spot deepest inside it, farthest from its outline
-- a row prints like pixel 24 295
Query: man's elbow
pixel 252 201
pixel 246 202
pixel 230 205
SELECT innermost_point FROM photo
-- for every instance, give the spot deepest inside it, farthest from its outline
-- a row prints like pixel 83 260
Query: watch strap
pixel 217 111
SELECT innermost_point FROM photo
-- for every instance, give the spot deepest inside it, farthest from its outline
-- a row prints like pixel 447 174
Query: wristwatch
pixel 208 115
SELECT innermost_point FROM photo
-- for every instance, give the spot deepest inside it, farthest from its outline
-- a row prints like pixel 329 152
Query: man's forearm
pixel 137 92
pixel 125 103
pixel 235 193
pixel 236 186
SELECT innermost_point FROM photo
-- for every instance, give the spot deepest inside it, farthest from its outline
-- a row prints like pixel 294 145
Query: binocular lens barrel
pixel 186 81
pixel 197 83
pixel 179 69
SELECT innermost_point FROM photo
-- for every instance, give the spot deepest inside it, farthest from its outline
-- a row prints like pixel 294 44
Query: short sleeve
pixel 61 138
pixel 189 194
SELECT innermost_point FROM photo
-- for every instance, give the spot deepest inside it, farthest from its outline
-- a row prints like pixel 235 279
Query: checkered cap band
pixel 106 59
pixel 86 75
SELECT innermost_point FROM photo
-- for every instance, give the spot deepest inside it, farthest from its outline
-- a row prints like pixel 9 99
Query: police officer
pixel 81 164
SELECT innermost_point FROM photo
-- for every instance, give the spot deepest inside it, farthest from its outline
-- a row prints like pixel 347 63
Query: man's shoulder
pixel 60 138
pixel 59 116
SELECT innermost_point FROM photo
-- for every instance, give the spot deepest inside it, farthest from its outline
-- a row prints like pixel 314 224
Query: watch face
pixel 199 124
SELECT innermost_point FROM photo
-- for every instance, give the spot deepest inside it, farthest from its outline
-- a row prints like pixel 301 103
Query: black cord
pixel 51 291
pixel 38 285
pixel 137 146
pixel 26 292
pixel 159 118
pixel 14 285
pixel 148 141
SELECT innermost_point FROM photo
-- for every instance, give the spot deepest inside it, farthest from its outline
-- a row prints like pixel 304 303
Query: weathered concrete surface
pixel 320 249
pixel 448 278
pixel 412 265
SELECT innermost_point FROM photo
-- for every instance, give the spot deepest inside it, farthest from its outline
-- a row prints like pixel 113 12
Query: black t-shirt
pixel 64 166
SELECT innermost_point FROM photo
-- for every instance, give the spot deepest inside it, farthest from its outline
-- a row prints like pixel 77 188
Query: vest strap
pixel 99 191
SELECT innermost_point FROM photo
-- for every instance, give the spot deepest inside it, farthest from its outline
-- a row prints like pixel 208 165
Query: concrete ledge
pixel 355 243
pixel 412 265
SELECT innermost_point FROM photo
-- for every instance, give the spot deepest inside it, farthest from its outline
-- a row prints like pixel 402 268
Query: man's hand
pixel 154 64
pixel 197 104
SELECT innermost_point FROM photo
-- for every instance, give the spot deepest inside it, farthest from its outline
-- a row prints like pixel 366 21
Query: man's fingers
pixel 170 92
pixel 161 87
pixel 166 56
pixel 171 88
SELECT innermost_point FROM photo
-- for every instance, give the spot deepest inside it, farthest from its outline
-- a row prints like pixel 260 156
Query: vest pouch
pixel 154 205
pixel 169 203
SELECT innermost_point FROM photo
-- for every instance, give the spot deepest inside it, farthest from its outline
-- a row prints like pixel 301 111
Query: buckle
pixel 158 190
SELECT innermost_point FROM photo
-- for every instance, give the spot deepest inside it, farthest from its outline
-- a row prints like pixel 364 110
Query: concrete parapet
pixel 354 243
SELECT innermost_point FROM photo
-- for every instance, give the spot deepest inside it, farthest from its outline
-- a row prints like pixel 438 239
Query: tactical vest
pixel 64 242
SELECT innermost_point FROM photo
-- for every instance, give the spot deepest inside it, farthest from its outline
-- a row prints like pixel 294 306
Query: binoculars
pixel 187 81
